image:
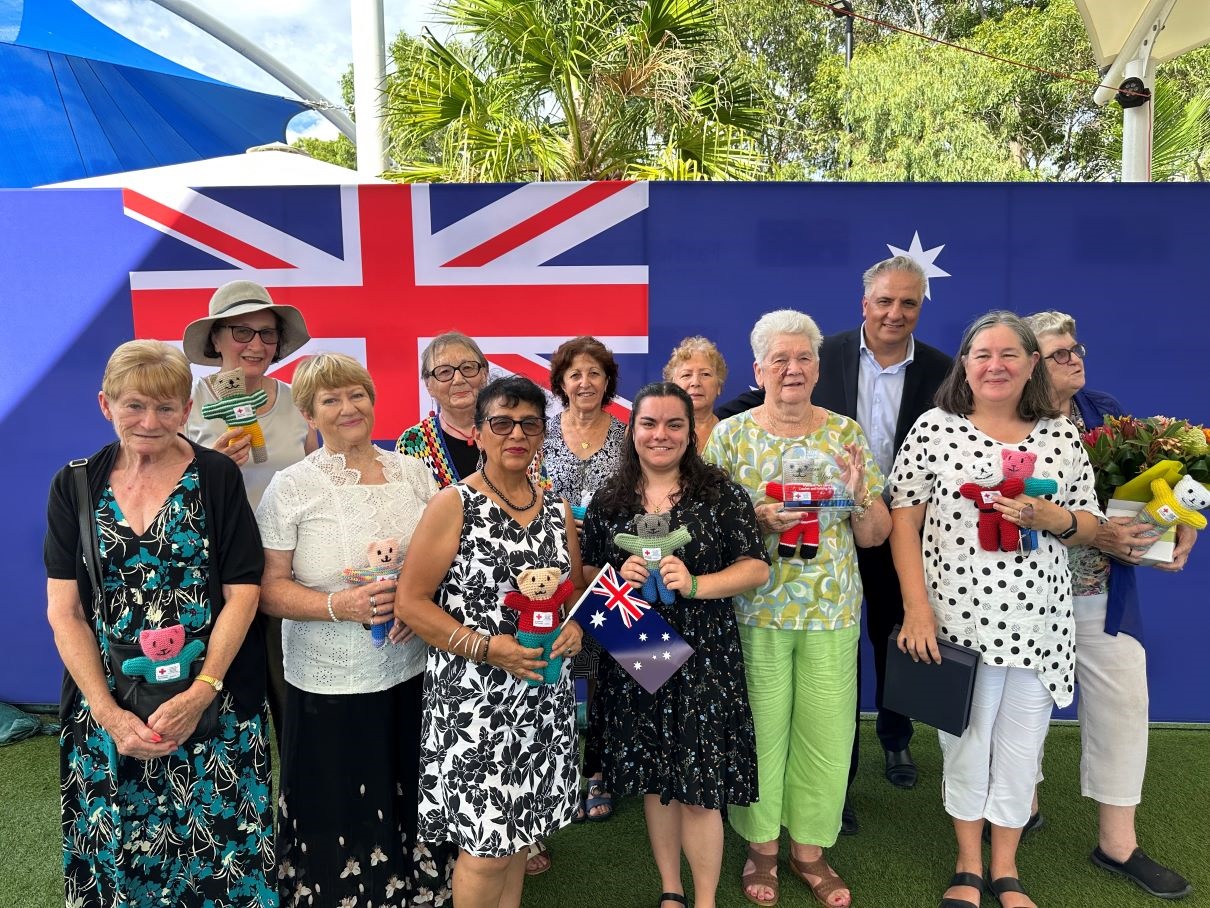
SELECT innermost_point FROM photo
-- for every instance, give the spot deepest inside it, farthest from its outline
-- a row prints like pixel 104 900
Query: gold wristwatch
pixel 216 683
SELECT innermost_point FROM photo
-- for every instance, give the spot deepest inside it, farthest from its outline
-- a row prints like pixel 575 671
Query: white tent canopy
pixel 1111 22
pixel 267 165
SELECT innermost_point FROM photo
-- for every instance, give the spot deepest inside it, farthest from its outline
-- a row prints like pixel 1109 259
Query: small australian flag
pixel 636 635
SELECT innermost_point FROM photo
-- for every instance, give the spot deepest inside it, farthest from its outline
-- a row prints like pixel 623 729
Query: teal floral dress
pixel 192 828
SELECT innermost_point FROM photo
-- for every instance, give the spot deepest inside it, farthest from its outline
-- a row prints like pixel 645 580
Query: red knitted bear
pixel 996 533
pixel 803 536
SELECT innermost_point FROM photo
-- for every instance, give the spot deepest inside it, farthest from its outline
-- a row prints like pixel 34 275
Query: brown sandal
pixel 537 859
pixel 829 879
pixel 761 874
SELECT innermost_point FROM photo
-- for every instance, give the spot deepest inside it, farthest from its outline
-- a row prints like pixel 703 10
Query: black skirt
pixel 346 828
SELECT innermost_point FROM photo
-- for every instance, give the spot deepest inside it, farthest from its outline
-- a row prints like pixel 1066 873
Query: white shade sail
pixel 1110 22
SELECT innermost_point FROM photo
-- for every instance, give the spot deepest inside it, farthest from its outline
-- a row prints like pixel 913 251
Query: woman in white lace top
pixel 350 748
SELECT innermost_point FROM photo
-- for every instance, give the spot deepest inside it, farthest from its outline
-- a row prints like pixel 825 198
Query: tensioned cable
pixel 839 10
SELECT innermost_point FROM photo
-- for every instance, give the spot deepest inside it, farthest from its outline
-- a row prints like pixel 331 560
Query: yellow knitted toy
pixel 1176 504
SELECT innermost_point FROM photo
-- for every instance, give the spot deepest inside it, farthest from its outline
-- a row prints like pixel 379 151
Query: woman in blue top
pixel 1111 665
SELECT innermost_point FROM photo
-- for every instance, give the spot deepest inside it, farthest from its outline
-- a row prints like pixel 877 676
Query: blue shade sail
pixel 79 100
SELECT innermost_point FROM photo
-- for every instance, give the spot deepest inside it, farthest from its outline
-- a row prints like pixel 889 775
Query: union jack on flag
pixel 379 270
pixel 635 634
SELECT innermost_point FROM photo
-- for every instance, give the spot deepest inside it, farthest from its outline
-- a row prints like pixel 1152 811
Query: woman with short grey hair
pixel 799 630
pixel 1111 664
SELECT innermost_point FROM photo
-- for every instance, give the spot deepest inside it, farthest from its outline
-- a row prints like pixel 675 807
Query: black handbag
pixel 135 694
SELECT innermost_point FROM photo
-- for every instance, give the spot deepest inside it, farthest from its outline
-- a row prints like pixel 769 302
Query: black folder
pixel 935 694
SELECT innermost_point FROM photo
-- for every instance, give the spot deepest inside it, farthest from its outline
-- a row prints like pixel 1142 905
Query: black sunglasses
pixel 530 425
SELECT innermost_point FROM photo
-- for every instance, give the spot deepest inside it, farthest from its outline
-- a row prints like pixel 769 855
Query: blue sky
pixel 311 37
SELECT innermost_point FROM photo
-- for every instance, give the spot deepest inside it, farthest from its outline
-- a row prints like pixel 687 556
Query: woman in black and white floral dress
pixel 498 757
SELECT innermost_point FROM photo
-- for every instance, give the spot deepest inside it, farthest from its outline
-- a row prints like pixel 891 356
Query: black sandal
pixel 963 879
pixel 671 897
pixel 1007 884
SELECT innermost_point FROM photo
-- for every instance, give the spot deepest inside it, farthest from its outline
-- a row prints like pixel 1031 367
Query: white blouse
pixel 319 510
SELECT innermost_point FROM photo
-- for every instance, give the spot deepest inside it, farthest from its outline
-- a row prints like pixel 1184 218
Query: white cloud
pixel 311 37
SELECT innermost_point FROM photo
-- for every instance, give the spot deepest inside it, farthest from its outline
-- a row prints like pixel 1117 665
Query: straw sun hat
pixel 240 298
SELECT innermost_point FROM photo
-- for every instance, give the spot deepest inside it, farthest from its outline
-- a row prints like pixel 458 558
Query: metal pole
pixel 264 60
pixel 369 80
pixel 1138 123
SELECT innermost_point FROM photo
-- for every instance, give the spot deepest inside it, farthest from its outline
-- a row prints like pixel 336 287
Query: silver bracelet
pixel 331 614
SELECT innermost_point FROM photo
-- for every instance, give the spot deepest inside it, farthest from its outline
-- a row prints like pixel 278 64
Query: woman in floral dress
pixel 498 757
pixel 689 749
pixel 149 819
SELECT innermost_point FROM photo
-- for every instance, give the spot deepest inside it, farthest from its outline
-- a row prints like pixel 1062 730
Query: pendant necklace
pixel 457 433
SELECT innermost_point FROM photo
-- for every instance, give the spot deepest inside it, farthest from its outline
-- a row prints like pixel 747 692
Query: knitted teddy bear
pixel 996 533
pixel 1020 465
pixel 537 600
pixel 237 408
pixel 384 558
pixel 653 538
pixel 1170 505
pixel 802 539
pixel 166 657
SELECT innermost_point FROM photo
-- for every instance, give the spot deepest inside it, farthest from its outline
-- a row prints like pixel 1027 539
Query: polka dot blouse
pixel 1015 607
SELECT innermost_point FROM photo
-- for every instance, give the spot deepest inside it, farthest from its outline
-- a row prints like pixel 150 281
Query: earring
pixel 481 462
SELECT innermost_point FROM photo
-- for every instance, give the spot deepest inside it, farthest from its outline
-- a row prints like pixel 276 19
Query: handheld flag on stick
pixel 641 641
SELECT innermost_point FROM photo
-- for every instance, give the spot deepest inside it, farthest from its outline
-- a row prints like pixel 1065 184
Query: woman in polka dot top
pixel 971 575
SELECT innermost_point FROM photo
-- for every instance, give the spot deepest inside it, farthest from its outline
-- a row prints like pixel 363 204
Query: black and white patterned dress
pixel 498 758
pixel 1014 607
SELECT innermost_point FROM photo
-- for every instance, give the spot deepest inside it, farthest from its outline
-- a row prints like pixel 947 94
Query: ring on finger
pixel 373 600
pixel 373 611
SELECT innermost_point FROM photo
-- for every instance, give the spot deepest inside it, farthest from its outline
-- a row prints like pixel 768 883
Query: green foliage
pixel 573 89
pixel 339 151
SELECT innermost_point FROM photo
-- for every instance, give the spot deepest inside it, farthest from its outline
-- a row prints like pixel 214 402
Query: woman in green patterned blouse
pixel 800 630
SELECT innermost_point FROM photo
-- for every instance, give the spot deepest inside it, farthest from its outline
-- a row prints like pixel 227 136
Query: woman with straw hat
pixel 246 330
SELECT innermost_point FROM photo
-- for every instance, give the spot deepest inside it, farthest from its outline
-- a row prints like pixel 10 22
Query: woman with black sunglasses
pixel 508 777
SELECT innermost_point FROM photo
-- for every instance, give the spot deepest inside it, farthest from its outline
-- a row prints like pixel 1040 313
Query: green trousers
pixel 802 686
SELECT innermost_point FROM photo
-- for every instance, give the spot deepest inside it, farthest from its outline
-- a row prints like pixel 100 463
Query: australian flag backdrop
pixel 378 270
pixel 630 630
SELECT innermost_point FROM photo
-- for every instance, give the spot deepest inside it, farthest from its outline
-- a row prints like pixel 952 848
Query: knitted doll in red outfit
pixel 803 537
pixel 996 532
pixel 537 604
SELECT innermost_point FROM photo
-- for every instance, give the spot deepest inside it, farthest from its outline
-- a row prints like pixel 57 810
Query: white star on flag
pixel 598 618
pixel 922 257
pixel 638 666
pixel 667 655
pixel 642 638
pixel 666 637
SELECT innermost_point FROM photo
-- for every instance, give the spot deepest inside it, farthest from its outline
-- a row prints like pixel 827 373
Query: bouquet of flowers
pixel 1126 447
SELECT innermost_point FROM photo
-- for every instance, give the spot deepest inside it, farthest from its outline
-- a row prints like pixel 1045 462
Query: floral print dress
pixel 498 757
pixel 192 828
pixel 693 739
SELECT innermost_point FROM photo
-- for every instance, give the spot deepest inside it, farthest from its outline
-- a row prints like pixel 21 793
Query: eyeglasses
pixel 243 334
pixel 469 369
pixel 503 425
pixel 1062 356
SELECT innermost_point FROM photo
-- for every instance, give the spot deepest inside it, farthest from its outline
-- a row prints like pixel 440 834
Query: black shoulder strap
pixel 88 523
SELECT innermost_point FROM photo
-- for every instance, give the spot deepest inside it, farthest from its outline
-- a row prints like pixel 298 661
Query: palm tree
pixel 573 90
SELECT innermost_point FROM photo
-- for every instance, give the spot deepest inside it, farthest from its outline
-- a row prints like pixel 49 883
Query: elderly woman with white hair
pixel 800 630
pixel 1111 664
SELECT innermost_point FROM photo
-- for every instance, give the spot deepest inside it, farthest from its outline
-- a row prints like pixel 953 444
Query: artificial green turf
pixel 902 857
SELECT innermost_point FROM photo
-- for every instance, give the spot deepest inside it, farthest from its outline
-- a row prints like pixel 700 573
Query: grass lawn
pixel 902 857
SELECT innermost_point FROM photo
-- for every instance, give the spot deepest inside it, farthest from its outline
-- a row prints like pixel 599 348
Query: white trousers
pixel 989 772
pixel 1112 677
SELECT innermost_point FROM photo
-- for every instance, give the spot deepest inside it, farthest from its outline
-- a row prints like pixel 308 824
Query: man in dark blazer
pixel 880 375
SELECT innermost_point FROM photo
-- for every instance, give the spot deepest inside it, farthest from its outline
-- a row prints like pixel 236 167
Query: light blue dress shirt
pixel 879 395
